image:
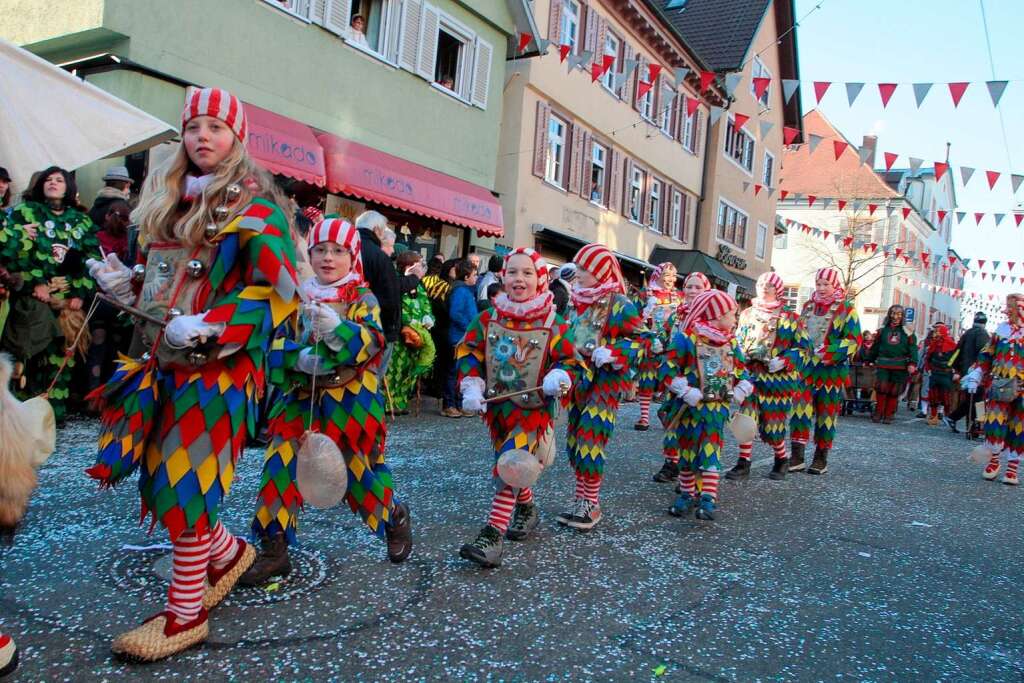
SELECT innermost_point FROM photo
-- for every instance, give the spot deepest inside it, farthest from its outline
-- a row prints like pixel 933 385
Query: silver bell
pixel 197 358
pixel 233 192
pixel 138 273
pixel 145 357
pixel 590 346
pixel 174 312
pixel 211 231
pixel 163 267
pixel 534 343
pixel 221 212
pixel 602 302
pixel 491 393
pixel 524 397
pixel 493 338
pixel 194 268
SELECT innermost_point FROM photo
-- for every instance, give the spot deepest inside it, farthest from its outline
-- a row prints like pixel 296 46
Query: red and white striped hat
pixel 830 275
pixel 769 279
pixel 699 278
pixel 218 103
pixel 538 262
pixel 601 262
pixel 708 306
pixel 343 233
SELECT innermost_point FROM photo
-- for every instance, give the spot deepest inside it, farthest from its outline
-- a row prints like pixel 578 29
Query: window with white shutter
pixel 430 22
pixel 318 11
pixel 409 45
pixel 337 15
pixel 481 73
pixel 298 8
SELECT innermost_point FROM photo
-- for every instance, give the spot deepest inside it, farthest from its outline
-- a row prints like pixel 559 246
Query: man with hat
pixel 967 349
pixel 117 185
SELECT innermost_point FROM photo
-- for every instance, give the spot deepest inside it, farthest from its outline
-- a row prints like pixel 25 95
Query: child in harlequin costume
pixel 774 344
pixel 704 371
pixel 519 344
pixel 414 353
pixel 608 332
pixel 662 299
pixel 894 354
pixel 1000 369
pixel 678 440
pixel 341 342
pixel 834 331
pixel 218 268
pixel 938 361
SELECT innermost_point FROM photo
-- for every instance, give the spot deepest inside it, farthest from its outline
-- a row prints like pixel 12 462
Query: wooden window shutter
pixel 555 22
pixel 629 88
pixel 481 73
pixel 641 69
pixel 677 116
pixel 613 161
pixel 409 49
pixel 588 165
pixel 318 12
pixel 575 159
pixel 698 132
pixel 627 181
pixel 336 16
pixel 602 36
pixel 589 41
pixel 430 23
pixel 540 140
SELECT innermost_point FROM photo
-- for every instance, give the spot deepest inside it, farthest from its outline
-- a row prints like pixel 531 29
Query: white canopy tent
pixel 50 117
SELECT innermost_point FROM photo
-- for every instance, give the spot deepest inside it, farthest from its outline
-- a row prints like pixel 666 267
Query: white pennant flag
pixel 920 92
pixel 789 87
pixel 1015 180
pixel 680 73
pixel 999 219
pixel 620 80
pixel 852 90
pixel 915 165
pixel 715 114
pixel 995 90
pixel 965 174
pixel 825 202
pixel 746 186
pixel 732 81
pixel 766 126
pixel 813 141
pixel 960 215
pixel 857 205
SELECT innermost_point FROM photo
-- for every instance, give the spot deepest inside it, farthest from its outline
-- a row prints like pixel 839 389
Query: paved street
pixel 900 564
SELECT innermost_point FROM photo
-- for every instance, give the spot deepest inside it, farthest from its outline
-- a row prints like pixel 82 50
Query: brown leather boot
pixel 271 561
pixel 399 534
pixel 796 456
pixel 820 463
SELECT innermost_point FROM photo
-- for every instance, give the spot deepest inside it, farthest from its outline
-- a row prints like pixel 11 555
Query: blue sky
pixel 912 41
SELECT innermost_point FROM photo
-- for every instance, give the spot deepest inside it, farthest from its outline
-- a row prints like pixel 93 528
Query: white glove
pixel 554 382
pixel 113 277
pixel 188 330
pixel 310 363
pixel 323 319
pixel 742 390
pixel 692 396
pixel 601 356
pixel 972 380
pixel 472 389
pixel 776 364
pixel 679 386
pixel 428 322
pixel 657 346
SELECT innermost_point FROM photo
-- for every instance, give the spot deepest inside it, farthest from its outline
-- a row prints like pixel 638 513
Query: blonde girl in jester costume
pixel 340 343
pixel 679 439
pixel 834 331
pixel 774 344
pixel 609 333
pixel 215 282
pixel 662 299
pixel 519 344
pixel 704 371
pixel 1000 370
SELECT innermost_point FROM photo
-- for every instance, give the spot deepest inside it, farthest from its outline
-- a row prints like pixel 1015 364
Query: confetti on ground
pixel 916 523
pixel 660 670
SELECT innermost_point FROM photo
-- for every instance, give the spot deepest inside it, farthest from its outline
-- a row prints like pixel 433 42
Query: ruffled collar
pixel 194 186
pixel 714 335
pixel 766 306
pixel 584 296
pixel 532 309
pixel 312 290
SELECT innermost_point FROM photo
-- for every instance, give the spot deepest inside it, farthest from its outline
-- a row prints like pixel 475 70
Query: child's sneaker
pixel 524 520
pixel 992 468
pixel 683 505
pixel 707 507
pixel 486 549
pixel 587 516
pixel 1011 473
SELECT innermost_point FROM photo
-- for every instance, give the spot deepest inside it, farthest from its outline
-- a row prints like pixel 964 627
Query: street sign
pixel 908 315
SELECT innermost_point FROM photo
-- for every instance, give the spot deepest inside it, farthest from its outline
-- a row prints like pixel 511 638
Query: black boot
pixel 669 472
pixel 740 472
pixel 399 534
pixel 796 457
pixel 820 463
pixel 779 469
pixel 271 561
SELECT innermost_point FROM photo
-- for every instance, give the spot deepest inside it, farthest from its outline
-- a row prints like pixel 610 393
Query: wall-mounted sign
pixel 730 259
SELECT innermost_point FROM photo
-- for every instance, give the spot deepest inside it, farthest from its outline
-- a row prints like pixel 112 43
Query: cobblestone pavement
pixel 900 564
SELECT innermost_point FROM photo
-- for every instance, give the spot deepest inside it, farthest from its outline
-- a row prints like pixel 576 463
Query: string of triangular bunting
pixel 960 294
pixel 872 207
pixel 956 89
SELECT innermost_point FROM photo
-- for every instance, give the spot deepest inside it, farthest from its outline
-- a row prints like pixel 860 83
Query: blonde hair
pixel 157 213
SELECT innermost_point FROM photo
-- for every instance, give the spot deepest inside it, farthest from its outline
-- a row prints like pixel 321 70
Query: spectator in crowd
pixel 110 332
pixel 492 291
pixel 447 82
pixel 382 277
pixel 461 312
pixel 967 349
pixel 117 185
pixel 561 287
pixel 474 260
pixel 357 31
pixel 493 275
pixel 438 286
pixel 387 242
pixel 415 353
pixel 5 189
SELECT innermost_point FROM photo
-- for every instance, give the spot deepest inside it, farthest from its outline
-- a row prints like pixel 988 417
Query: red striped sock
pixel 645 407
pixel 223 546
pixel 746 449
pixel 1012 465
pixel 581 487
pixel 591 488
pixel 799 440
pixel 709 483
pixel 780 450
pixel 501 509
pixel 191 558
pixel 525 496
pixel 688 481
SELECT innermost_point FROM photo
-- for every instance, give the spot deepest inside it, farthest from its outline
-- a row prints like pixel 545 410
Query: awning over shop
pixel 370 174
pixel 573 244
pixel 689 260
pixel 284 146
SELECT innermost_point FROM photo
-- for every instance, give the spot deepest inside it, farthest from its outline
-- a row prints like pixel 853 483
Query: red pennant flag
pixel 563 52
pixel 873 247
pixel 652 72
pixel 981 263
pixel 760 86
pixel 820 87
pixel 524 40
pixel 596 70
pixel 789 134
pixel 841 203
pixel 826 233
pixel 906 212
pixel 757 189
pixel 1002 278
pixel 940 169
pixel 691 105
pixel 886 90
pixel 785 193
pixel 871 209
pixel 942 215
pixel 885 253
pixel 890 159
pixel 984 275
pixel 899 252
pixel 952 259
pixel 810 200
pixel 957 90
pixel 642 89
pixel 993 176
pixel 1017 217
pixel 847 241
pixel 740 120
pixel 705 79
pixel 839 146
pixel 1010 265
pixel 978 215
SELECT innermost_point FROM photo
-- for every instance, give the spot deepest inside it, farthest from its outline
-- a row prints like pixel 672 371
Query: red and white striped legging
pixel 192 557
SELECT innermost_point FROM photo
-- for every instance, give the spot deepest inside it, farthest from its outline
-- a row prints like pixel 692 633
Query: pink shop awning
pixel 370 174
pixel 284 146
